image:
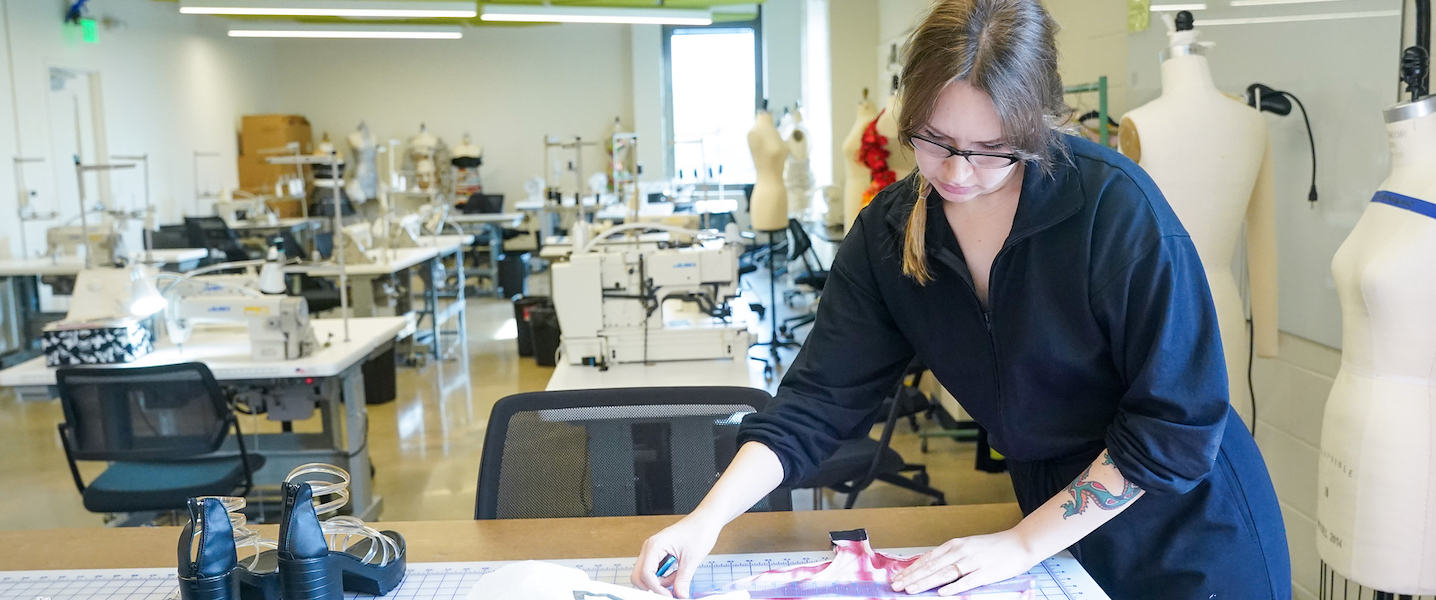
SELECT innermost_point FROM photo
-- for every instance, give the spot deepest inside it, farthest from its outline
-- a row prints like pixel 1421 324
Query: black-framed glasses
pixel 982 160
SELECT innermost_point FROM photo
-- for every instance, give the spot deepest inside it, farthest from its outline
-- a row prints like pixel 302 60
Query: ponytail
pixel 914 248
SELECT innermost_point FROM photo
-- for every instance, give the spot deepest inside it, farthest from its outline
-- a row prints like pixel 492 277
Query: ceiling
pixel 724 11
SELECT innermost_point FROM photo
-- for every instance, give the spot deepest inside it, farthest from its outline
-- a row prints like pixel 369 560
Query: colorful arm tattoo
pixel 1086 491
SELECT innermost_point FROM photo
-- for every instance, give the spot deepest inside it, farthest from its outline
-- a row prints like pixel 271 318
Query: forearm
pixel 754 472
pixel 1093 498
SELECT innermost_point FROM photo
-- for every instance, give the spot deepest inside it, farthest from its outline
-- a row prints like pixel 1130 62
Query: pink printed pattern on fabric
pixel 854 560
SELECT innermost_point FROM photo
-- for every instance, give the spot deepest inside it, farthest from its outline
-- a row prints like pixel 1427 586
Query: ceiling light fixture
pixel 359 32
pixel 1276 2
pixel 1176 7
pixel 377 9
pixel 583 14
pixel 1299 18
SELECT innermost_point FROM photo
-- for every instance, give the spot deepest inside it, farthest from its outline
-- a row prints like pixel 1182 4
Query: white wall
pixel 783 48
pixel 506 86
pixel 852 40
pixel 649 100
pixel 172 84
pixel 1291 396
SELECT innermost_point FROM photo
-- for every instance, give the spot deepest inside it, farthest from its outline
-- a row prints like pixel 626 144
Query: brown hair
pixel 1005 48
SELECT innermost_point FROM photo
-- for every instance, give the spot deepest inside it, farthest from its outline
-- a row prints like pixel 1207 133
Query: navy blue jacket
pixel 1101 333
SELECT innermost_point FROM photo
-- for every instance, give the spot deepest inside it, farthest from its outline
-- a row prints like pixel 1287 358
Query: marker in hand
pixel 666 566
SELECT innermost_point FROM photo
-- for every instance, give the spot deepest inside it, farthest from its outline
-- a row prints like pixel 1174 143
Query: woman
pixel 1047 283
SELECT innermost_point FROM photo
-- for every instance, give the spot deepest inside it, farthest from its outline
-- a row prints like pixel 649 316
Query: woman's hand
pixel 965 563
pixel 689 540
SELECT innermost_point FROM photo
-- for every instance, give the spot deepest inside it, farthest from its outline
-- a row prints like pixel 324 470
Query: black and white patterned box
pixel 120 343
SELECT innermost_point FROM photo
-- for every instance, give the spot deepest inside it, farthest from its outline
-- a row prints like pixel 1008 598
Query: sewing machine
pixel 69 241
pixel 278 325
pixel 235 212
pixel 613 305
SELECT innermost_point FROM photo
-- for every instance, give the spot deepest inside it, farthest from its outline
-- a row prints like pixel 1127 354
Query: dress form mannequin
pixel 466 159
pixel 857 177
pixel 328 178
pixel 797 173
pixel 769 209
pixel 900 158
pixel 421 151
pixel 364 182
pixel 1376 481
pixel 1210 156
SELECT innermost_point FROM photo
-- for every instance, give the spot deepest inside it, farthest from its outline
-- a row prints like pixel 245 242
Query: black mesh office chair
pixel 860 462
pixel 488 204
pixel 159 427
pixel 813 278
pixel 613 452
pixel 214 233
pixel 170 236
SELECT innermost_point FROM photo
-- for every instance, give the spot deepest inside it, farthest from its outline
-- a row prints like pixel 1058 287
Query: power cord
pixel 1265 99
pixel 1251 358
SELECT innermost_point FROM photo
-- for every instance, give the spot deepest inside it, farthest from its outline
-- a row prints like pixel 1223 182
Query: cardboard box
pixel 270 132
pixel 286 208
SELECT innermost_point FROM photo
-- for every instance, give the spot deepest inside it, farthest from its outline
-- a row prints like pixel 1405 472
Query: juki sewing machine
pixel 611 304
pixel 69 241
pixel 278 325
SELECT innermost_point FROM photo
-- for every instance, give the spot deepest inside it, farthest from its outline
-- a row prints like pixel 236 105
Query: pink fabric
pixel 853 561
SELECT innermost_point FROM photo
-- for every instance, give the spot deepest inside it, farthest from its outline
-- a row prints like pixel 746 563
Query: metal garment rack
pixel 331 159
pixel 1100 87
pixel 80 170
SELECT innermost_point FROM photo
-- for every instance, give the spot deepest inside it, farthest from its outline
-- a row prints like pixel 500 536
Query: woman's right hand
pixel 689 540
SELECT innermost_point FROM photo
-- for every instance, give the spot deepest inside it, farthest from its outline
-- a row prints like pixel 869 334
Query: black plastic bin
pixel 544 321
pixel 523 306
pixel 513 274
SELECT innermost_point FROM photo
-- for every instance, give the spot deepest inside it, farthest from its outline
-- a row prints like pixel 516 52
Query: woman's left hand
pixel 965 563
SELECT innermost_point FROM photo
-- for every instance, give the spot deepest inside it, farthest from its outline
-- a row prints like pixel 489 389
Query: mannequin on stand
pixel 364 181
pixel 769 208
pixel 797 172
pixel 421 151
pixel 769 212
pixel 1210 156
pixel 466 159
pixel 900 158
pixel 1376 481
pixel 326 181
pixel 857 177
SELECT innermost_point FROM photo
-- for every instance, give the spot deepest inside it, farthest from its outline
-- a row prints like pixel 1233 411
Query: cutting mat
pixel 1059 578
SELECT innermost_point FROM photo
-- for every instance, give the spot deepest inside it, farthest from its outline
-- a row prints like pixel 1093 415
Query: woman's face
pixel 965 119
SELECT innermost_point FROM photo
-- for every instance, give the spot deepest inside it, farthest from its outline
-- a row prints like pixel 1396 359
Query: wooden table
pixel 594 537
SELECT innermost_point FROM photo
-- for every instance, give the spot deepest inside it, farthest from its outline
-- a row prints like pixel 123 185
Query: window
pixel 714 88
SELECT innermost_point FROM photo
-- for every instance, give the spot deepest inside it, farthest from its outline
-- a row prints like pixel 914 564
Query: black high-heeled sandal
pixel 207 572
pixel 305 570
pixel 369 561
pixel 257 571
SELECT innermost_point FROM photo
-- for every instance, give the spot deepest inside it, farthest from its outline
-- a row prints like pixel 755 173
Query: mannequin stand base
pixel 773 363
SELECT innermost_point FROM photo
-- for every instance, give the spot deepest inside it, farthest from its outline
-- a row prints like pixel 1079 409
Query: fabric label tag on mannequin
pixel 1415 205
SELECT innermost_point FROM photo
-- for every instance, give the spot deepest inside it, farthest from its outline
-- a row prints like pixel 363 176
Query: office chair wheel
pixel 768 373
pixel 938 503
pixel 921 478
